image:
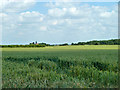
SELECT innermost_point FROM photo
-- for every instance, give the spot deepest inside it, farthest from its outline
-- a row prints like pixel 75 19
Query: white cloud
pixel 43 28
pixel 16 5
pixel 73 10
pixel 31 17
pixel 107 14
pixel 64 21
pixel 56 12
pixel 3 15
pixel 31 14
pixel 55 22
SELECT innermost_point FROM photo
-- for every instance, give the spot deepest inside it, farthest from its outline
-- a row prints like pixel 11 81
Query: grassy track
pixel 64 67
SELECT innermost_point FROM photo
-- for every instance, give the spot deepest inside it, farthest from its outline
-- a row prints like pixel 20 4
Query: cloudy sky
pixel 57 22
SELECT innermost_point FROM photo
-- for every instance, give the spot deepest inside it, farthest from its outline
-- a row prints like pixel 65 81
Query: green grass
pixel 60 67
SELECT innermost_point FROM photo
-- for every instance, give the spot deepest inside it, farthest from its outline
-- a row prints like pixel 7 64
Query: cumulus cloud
pixel 15 5
pixel 107 14
pixel 43 28
pixel 31 17
pixel 67 22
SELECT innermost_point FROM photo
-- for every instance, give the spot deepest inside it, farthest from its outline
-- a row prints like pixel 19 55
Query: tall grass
pixel 60 69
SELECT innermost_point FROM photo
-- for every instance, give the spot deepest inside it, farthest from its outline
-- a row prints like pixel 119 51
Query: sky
pixel 57 22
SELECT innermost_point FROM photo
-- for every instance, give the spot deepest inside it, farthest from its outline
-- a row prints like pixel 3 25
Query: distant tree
pixel 103 42
pixel 65 44
pixel 72 43
pixel 81 43
pixel 33 43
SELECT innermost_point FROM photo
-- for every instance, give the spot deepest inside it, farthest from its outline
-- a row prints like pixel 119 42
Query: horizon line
pixel 63 42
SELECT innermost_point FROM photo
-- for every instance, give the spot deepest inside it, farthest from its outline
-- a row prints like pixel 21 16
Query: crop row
pixel 51 71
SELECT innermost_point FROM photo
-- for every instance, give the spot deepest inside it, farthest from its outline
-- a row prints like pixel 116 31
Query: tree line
pixel 102 42
pixel 94 42
pixel 12 46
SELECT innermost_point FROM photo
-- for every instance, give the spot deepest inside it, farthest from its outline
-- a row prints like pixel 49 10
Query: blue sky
pixel 44 9
pixel 58 22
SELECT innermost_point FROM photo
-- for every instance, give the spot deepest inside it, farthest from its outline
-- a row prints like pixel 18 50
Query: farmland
pixel 81 66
